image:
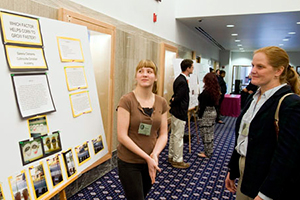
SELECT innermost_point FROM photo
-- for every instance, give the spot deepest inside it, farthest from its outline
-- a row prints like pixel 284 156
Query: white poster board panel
pixel 202 70
pixel 73 131
pixel 193 85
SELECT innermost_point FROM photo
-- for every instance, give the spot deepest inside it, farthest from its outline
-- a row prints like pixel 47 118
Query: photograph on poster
pixel 51 143
pixel 31 150
pixel 70 49
pixel 82 152
pixel 98 144
pixel 69 162
pixel 38 126
pixel 80 103
pixel 19 187
pixel 20 29
pixel 20 58
pixel 1 193
pixel 33 95
pixel 38 180
pixel 75 77
pixel 55 170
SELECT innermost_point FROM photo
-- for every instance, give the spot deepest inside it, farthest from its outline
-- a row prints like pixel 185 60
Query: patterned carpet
pixel 204 180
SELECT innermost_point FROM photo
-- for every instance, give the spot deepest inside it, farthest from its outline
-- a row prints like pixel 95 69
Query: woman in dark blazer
pixel 267 164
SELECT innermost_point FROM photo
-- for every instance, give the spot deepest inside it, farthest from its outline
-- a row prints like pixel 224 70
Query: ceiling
pixel 254 31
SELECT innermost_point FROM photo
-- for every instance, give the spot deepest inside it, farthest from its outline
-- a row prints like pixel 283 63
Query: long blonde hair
pixel 148 64
pixel 278 57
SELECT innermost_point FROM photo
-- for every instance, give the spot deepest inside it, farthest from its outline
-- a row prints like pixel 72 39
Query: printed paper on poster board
pixel 69 163
pixel 38 180
pixel 20 58
pixel 19 186
pixel 55 171
pixel 33 95
pixel 20 29
pixel 82 153
pixel 38 126
pixel 51 143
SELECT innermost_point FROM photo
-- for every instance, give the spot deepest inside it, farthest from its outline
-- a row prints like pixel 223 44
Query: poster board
pixel 74 131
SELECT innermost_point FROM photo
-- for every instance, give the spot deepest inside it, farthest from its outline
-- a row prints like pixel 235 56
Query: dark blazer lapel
pixel 272 99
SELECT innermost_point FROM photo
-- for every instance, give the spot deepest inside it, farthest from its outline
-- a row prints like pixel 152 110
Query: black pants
pixel 218 107
pixel 135 180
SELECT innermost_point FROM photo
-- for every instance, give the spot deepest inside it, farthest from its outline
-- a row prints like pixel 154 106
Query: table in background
pixel 231 105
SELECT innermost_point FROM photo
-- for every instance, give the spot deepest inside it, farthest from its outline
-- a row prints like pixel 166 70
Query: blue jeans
pixel 135 180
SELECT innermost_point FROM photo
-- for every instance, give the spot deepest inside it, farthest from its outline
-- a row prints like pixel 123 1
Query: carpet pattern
pixel 204 180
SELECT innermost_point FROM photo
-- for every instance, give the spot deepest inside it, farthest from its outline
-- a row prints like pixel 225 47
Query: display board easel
pixel 74 130
pixel 192 112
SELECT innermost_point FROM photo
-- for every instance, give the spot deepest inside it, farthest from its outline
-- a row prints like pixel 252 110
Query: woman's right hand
pixel 229 184
pixel 152 168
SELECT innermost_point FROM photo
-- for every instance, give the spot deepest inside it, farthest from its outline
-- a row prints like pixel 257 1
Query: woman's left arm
pixel 159 146
pixel 286 158
pixel 162 138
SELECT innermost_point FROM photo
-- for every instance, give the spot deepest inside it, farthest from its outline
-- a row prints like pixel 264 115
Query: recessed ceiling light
pixel 292 33
pixel 298 22
pixel 234 34
pixel 241 48
pixel 280 45
pixel 237 40
pixel 285 40
pixel 229 25
pixel 239 45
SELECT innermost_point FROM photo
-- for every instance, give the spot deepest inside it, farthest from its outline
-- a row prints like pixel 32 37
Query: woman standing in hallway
pixel 266 163
pixel 142 133
pixel 208 100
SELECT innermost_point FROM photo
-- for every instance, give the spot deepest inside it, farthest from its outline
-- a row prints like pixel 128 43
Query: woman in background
pixel 266 163
pixel 208 100
pixel 142 133
pixel 249 89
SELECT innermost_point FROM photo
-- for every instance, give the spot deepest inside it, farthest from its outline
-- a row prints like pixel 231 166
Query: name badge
pixel 245 130
pixel 145 129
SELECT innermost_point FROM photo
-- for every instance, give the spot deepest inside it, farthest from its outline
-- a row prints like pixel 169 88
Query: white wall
pixel 195 8
pixel 294 58
pixel 140 14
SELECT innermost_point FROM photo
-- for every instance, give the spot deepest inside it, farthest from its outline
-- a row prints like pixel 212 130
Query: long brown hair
pixel 277 57
pixel 211 85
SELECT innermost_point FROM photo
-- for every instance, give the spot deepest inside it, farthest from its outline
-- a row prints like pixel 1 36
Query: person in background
pixel 208 99
pixel 266 163
pixel 223 89
pixel 249 89
pixel 142 133
pixel 179 107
